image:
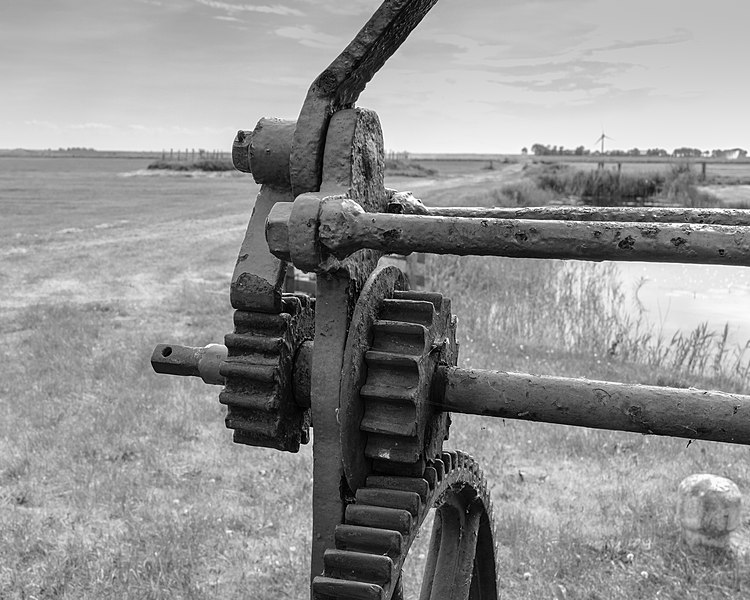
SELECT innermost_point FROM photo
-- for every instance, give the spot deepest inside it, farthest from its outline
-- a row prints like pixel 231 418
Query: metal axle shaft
pixel 685 413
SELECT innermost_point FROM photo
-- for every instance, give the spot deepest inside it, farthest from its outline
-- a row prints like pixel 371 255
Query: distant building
pixel 731 154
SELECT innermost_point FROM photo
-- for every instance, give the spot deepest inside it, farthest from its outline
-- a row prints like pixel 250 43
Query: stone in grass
pixel 708 509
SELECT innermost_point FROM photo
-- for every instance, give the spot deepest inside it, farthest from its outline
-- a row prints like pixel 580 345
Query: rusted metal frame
pixel 345 228
pixel 353 168
pixel 711 216
pixel 258 277
pixel 340 85
pixel 685 413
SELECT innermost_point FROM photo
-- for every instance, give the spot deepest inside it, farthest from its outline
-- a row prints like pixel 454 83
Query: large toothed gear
pixel 380 526
pixel 258 371
pixel 396 341
pixel 393 459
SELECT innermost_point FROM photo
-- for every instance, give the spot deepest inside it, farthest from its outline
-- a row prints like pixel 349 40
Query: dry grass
pixel 117 483
pixel 589 510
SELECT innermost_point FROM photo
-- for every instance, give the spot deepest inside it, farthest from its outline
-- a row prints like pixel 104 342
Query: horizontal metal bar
pixel 685 413
pixel 711 216
pixel 345 228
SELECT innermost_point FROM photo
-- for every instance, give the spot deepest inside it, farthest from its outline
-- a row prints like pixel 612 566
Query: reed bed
pixel 579 309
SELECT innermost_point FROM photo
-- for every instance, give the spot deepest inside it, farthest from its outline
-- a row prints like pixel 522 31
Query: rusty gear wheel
pixel 258 371
pixel 392 443
pixel 381 525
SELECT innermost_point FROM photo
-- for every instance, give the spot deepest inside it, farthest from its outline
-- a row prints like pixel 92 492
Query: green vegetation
pixel 209 165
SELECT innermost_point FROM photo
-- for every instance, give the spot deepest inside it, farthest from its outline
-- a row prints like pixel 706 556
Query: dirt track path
pixel 144 262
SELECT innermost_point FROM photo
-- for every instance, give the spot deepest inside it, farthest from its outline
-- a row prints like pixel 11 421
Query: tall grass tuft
pixel 681 188
pixel 606 187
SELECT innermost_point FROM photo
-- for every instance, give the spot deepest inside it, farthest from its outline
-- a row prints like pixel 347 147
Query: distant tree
pixel 524 150
pixel 541 150
pixel 634 152
pixel 656 152
pixel 579 151
pixel 686 152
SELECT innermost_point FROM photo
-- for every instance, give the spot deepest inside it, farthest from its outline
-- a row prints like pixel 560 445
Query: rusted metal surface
pixel 705 216
pixel 340 85
pixel 384 519
pixel 345 228
pixel 258 278
pixel 381 284
pixel 685 413
pixel 241 151
pixel 259 390
pixel 354 150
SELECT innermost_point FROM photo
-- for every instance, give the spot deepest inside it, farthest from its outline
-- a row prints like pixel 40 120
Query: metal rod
pixel 685 413
pixel 711 216
pixel 345 228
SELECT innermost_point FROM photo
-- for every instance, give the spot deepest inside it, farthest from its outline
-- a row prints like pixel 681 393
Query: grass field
pixel 117 483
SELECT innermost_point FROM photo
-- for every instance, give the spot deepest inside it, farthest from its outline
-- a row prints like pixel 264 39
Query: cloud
pixel 90 126
pixel 67 126
pixel 679 37
pixel 232 9
pixel 564 76
pixel 307 36
pixel 44 124
pixel 346 7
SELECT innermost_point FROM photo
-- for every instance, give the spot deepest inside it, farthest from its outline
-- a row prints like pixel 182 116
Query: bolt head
pixel 277 230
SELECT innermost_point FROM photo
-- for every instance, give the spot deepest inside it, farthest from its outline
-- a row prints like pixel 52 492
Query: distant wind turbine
pixel 601 139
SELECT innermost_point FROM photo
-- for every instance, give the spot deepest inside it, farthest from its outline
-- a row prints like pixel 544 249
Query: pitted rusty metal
pixel 686 413
pixel 406 204
pixel 345 228
pixel 259 390
pixel 340 85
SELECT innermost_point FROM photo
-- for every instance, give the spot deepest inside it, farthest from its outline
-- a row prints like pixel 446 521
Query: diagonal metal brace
pixel 340 85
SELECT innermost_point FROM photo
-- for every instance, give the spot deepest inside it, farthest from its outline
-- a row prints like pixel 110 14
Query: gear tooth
pixel 392 418
pixel 434 298
pixel 328 588
pixel 449 459
pixel 236 368
pixel 431 476
pixel 370 540
pixel 263 324
pixel 377 516
pixel 418 485
pixel 405 500
pixel 393 447
pixel 439 467
pixel 253 343
pixel 410 311
pixel 257 399
pixel 358 566
pixel 398 337
pixel 392 393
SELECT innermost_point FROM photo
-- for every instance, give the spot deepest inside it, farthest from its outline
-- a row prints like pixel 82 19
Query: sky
pixel 485 76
